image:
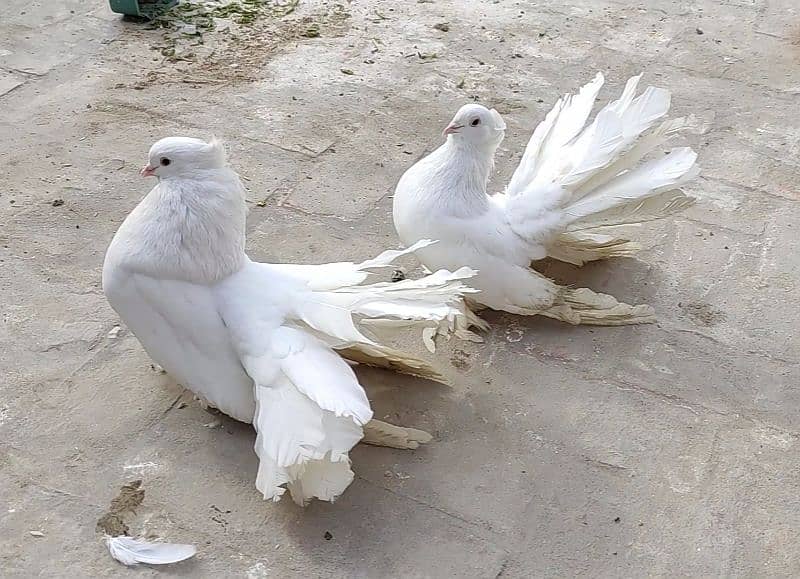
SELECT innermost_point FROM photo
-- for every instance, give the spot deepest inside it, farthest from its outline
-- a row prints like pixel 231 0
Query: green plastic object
pixel 142 8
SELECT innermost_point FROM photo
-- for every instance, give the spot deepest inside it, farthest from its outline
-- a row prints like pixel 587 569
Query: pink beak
pixel 147 171
pixel 451 129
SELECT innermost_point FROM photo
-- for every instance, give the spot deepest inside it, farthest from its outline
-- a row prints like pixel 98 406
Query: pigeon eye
pixel 164 161
pixel 475 122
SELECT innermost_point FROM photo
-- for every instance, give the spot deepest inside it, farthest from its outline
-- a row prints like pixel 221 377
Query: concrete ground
pixel 665 450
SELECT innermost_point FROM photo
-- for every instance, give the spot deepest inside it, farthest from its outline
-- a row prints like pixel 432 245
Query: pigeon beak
pixel 148 171
pixel 451 129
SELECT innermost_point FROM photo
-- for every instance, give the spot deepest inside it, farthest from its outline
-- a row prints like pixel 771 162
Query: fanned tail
pixel 598 167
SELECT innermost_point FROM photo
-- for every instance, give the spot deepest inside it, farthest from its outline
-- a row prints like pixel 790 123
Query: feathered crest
pixel 217 149
pixel 499 123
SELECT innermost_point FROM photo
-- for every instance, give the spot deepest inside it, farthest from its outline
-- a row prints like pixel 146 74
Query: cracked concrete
pixel 664 450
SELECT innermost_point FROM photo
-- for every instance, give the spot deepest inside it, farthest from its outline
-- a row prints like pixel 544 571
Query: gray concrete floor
pixel 666 450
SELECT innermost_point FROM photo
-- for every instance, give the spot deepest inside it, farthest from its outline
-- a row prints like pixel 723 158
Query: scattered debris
pixel 443 26
pixel 702 313
pixel 37 534
pixel 617 519
pixel 127 550
pixel 224 40
pixel 57 202
pixel 129 498
pixel 460 359
pixel 157 369
pixel 312 31
pixel 347 71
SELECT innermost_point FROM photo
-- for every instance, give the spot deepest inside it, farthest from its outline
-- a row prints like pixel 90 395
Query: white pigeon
pixel 257 340
pixel 573 180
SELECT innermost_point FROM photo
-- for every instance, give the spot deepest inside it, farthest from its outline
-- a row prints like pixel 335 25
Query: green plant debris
pixel 312 31
pixel 206 14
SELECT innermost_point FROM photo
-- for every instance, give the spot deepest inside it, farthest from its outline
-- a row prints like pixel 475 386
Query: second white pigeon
pixel 259 341
pixel 574 181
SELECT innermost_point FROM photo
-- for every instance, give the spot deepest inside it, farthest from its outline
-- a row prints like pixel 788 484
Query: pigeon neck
pixel 188 229
pixel 464 171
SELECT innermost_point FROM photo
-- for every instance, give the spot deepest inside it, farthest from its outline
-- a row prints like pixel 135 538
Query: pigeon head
pixel 183 157
pixel 477 126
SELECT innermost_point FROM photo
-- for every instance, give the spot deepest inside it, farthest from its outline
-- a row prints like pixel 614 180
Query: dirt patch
pixel 702 313
pixel 461 359
pixel 222 42
pixel 129 498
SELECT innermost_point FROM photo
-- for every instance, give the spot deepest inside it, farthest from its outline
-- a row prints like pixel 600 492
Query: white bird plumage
pixel 256 340
pixel 574 180
pixel 130 551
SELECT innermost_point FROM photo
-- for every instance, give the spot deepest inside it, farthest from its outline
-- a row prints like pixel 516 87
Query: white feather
pixel 130 551
pixel 670 171
pixel 561 125
pixel 329 276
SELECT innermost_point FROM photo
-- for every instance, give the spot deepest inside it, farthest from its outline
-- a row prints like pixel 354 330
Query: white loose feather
pixel 130 551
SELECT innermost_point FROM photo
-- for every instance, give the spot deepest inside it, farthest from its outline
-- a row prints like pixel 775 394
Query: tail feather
pixel 613 130
pixel 380 356
pixel 578 247
pixel 626 98
pixel 434 301
pixel 331 276
pixel 560 126
pixel 640 149
pixel 641 211
pixel 653 177
pixel 598 170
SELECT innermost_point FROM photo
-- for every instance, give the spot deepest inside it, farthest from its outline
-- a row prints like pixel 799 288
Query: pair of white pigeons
pixel 267 343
